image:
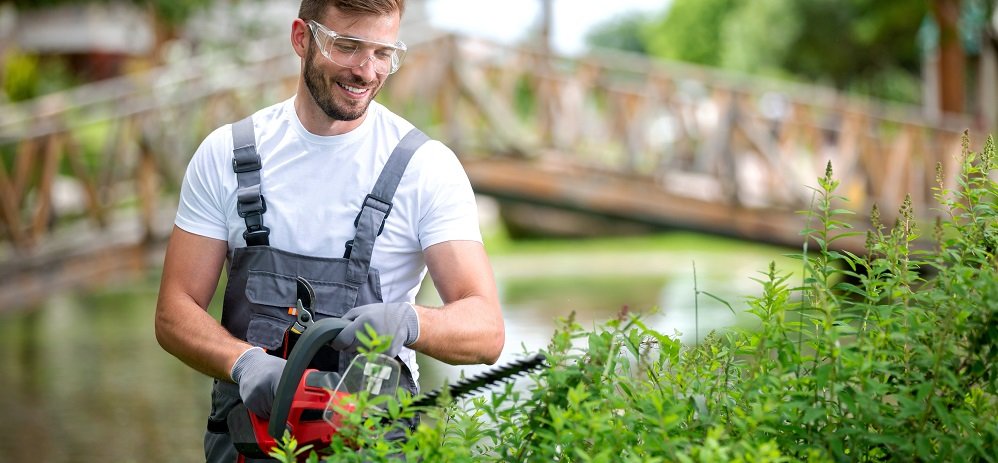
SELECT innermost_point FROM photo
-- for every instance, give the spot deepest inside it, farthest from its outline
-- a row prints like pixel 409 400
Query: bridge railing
pixel 73 161
pixel 693 131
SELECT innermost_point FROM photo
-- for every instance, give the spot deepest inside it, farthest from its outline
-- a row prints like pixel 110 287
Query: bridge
pixel 88 177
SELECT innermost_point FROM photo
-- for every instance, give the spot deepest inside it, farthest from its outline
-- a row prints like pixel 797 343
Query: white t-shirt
pixel 314 187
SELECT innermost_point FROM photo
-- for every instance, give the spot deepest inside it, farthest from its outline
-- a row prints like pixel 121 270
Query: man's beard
pixel 321 91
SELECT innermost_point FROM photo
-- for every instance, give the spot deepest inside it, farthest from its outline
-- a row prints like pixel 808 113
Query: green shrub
pixel 889 356
pixel 25 76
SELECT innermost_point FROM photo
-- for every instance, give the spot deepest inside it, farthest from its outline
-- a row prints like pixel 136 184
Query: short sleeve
pixel 449 211
pixel 200 209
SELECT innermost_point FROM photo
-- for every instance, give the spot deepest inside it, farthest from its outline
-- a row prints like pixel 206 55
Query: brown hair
pixel 314 9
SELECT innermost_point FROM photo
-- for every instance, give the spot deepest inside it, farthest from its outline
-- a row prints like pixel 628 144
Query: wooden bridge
pixel 88 177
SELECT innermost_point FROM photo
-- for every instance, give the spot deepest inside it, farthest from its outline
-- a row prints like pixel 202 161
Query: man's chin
pixel 346 114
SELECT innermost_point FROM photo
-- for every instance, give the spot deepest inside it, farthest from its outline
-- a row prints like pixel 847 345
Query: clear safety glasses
pixel 350 52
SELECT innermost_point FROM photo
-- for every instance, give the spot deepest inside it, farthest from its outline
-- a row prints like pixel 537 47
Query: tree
pixel 867 46
pixel 619 34
pixel 951 56
pixel 760 37
pixel 852 43
pixel 172 12
pixel 690 31
pixel 167 15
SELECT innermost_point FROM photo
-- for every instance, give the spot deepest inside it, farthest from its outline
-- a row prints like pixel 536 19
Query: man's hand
pixel 395 319
pixel 257 373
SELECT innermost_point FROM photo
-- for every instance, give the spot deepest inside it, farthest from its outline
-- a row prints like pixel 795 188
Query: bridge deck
pixel 635 199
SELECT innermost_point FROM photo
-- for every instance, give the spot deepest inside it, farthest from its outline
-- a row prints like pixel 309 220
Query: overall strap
pixel 246 164
pixel 370 222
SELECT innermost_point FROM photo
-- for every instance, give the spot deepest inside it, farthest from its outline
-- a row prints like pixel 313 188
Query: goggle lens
pixel 352 52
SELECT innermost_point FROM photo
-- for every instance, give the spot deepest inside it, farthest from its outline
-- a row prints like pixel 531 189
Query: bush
pixel 25 76
pixel 888 356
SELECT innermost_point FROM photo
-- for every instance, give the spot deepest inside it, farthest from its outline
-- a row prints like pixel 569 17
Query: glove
pixel 257 373
pixel 395 319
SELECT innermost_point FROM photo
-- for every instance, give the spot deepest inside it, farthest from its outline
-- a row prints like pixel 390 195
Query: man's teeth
pixel 353 89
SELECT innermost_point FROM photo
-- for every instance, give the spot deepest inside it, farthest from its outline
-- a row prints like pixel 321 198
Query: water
pixel 84 380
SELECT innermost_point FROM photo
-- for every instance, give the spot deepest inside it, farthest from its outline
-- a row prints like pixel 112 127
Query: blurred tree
pixel 951 55
pixel 866 46
pixel 167 15
pixel 760 37
pixel 851 43
pixel 619 34
pixel 26 73
pixel 689 31
pixel 170 12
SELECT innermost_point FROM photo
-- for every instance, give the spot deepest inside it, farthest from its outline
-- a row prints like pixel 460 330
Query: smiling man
pixel 333 189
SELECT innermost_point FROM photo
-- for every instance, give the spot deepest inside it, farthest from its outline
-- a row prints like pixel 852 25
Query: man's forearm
pixel 189 333
pixel 464 332
pixel 184 328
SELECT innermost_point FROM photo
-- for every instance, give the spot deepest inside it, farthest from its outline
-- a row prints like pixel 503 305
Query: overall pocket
pixel 333 299
pixel 270 295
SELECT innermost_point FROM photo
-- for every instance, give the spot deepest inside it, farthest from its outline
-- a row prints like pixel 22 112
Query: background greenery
pixel 868 47
pixel 171 12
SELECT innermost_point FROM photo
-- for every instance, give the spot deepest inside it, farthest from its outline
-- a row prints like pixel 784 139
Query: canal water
pixel 82 378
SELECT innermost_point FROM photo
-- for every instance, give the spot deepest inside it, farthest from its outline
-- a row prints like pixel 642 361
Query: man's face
pixel 344 93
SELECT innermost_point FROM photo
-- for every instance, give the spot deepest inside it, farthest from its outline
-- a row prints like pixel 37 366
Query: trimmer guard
pixel 308 401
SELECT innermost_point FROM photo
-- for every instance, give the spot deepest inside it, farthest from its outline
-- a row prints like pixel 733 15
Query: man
pixel 322 187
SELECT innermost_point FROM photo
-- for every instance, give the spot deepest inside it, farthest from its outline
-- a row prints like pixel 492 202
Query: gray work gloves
pixel 395 319
pixel 257 373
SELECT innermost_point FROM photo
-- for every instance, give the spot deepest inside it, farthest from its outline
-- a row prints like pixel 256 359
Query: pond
pixel 84 379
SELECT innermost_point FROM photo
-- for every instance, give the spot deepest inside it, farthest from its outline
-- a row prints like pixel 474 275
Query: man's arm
pixel 184 328
pixel 469 327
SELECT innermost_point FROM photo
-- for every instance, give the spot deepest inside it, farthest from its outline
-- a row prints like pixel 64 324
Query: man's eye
pixel 345 47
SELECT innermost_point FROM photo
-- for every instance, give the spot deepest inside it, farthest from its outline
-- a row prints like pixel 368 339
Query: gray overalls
pixel 262 286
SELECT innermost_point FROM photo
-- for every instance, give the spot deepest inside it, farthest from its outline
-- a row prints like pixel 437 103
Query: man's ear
pixel 300 37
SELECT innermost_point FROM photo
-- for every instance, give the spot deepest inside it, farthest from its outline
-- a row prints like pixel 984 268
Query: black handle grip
pixel 316 336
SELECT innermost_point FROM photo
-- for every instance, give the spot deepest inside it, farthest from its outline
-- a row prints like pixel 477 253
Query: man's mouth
pixel 352 89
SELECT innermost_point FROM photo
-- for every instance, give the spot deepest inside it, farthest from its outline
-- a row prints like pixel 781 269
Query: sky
pixel 510 20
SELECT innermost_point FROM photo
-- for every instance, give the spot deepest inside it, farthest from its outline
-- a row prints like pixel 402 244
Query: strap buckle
pixel 378 204
pixel 257 237
pixel 247 209
pixel 255 234
pixel 248 165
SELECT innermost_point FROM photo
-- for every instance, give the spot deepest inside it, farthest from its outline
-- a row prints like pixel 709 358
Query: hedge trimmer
pixel 307 404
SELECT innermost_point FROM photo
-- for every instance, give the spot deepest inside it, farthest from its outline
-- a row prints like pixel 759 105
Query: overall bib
pixel 262 286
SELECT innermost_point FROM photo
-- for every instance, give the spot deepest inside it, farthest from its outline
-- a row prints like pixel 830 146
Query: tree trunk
pixel 952 61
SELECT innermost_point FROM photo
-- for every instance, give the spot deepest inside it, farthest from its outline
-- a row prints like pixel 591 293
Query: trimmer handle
pixel 319 334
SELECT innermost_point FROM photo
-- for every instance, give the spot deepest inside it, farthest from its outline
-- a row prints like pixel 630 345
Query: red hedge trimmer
pixel 306 398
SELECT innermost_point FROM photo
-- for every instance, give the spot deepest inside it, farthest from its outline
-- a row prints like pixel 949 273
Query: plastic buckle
pixel 239 168
pixel 374 202
pixel 257 237
pixel 246 213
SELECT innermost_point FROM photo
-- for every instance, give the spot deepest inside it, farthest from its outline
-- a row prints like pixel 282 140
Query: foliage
pixel 864 46
pixel 173 12
pixel 674 38
pixel 888 356
pixel 761 37
pixel 872 36
pixel 25 76
pixel 619 34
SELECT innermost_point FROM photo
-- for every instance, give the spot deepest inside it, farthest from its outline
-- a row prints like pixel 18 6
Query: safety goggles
pixel 351 52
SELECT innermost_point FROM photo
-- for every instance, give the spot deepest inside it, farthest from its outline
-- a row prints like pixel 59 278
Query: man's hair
pixel 315 9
